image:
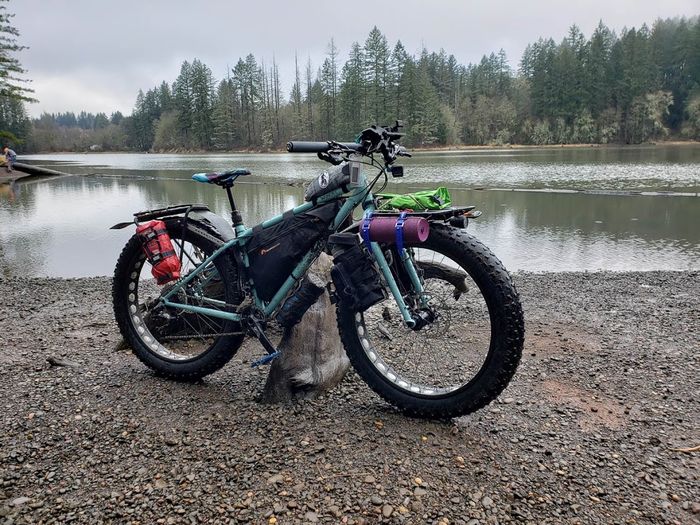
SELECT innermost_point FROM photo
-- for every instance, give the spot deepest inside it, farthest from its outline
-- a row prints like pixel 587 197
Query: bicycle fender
pixel 215 222
pixel 197 213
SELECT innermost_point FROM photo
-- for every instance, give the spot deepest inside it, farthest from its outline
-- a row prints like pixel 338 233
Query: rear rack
pixel 170 210
pixel 440 215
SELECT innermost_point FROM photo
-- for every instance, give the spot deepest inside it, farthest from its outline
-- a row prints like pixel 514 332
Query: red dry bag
pixel 159 250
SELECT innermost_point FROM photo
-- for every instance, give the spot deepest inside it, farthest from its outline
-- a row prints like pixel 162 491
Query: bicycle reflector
pixel 159 251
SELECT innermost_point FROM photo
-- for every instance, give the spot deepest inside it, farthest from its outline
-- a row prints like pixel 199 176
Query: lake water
pixel 550 209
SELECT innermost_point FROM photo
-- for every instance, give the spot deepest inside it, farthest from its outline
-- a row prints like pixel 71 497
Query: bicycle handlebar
pixel 298 146
pixel 374 139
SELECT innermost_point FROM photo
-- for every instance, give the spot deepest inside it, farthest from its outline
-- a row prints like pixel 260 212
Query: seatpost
pixel 236 218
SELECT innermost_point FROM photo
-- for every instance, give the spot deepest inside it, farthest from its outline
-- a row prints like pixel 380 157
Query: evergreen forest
pixel 640 85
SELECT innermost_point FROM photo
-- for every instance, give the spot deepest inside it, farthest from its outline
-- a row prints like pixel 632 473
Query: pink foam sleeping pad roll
pixel 383 229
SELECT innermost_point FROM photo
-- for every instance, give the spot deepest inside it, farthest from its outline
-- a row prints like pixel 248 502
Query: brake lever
pixel 402 152
pixel 330 157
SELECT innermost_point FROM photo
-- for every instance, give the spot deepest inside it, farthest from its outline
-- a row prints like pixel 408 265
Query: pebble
pixel 277 478
pixel 417 506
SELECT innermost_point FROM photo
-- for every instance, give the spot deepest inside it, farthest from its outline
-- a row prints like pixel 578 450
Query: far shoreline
pixel 454 148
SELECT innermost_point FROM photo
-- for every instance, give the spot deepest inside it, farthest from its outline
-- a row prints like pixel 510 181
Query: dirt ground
pixel 587 432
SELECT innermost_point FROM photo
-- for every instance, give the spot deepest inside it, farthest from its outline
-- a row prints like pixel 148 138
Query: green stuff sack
pixel 436 199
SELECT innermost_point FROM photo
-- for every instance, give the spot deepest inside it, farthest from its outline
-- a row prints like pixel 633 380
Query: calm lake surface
pixel 550 209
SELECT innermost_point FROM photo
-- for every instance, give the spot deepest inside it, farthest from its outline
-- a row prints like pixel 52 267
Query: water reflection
pixel 60 227
pixel 564 231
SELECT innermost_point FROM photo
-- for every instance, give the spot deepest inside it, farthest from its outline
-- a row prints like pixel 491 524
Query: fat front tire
pixel 173 343
pixel 466 356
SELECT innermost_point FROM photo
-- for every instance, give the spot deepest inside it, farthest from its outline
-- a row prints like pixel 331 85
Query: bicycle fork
pixel 407 261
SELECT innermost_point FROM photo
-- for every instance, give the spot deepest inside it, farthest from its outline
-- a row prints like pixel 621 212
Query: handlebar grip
pixel 298 146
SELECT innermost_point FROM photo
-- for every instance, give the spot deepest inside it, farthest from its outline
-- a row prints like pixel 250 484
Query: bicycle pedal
pixel 265 359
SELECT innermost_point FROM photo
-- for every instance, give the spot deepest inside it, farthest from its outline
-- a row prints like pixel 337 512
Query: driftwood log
pixel 312 358
pixel 37 171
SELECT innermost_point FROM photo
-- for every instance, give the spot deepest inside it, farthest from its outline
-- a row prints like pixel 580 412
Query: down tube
pixel 296 275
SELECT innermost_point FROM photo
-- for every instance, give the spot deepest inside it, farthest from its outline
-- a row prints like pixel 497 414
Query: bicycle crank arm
pixel 257 330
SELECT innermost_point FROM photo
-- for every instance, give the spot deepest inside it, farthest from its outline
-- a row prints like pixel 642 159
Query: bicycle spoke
pixel 447 352
pixel 180 334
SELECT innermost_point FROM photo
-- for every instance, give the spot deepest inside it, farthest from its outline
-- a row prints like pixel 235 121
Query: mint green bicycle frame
pixel 358 196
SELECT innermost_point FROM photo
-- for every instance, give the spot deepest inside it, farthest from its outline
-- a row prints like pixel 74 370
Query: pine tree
pixel 296 101
pixel 202 100
pixel 15 125
pixel 14 92
pixel 422 105
pixel 12 85
pixel 309 99
pixel 165 97
pixel 183 103
pixel 377 76
pixel 225 134
pixel 399 60
pixel 329 91
pixel 246 76
pixel 598 73
pixel 352 94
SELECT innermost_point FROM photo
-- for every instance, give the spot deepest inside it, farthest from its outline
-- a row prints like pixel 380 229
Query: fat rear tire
pixel 223 347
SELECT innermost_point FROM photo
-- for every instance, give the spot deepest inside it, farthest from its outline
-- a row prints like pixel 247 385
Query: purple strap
pixel 399 232
pixel 365 230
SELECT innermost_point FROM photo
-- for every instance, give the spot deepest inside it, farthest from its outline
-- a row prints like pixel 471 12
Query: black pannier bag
pixel 354 273
pixel 274 252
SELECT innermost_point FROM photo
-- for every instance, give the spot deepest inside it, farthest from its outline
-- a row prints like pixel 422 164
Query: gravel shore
pixel 587 432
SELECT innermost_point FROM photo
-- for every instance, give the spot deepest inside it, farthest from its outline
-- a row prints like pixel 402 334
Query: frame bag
pixel 275 251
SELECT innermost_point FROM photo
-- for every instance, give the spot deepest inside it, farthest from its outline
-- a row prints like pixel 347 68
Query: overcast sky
pixel 96 54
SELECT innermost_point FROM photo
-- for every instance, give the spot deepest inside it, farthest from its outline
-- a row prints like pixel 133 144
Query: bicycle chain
pixel 198 336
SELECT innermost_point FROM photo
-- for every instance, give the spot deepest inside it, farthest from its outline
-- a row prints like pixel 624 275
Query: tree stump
pixel 312 359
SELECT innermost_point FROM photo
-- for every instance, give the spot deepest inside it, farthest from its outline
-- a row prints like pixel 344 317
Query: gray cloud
pixel 95 55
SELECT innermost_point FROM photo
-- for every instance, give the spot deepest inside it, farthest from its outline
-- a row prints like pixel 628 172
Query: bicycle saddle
pixel 220 178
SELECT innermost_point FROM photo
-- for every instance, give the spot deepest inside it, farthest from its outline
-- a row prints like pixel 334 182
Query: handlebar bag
pixel 326 182
pixel 275 251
